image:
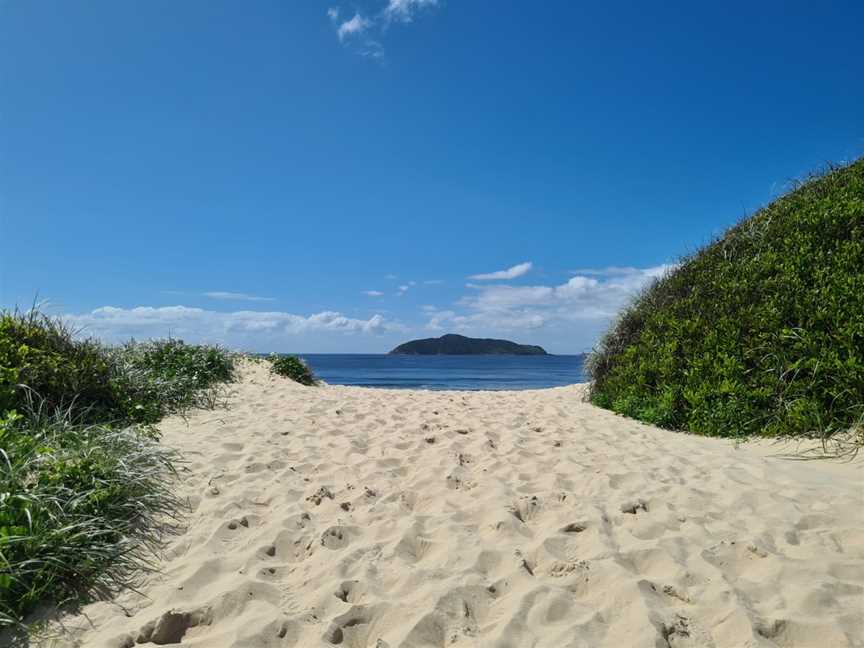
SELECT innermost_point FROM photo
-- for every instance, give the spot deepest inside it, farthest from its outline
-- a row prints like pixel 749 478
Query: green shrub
pixel 292 367
pixel 153 379
pixel 40 358
pixel 80 508
pixel 761 332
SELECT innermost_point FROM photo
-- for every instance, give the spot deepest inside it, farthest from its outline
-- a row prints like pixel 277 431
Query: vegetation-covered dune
pixel 84 486
pixel 760 332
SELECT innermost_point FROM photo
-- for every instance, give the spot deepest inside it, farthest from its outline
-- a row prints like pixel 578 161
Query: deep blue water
pixel 447 372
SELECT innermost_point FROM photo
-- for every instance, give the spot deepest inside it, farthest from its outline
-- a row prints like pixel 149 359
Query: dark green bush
pixel 761 332
pixel 292 367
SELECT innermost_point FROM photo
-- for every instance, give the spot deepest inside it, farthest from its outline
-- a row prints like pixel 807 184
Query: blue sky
pixel 332 177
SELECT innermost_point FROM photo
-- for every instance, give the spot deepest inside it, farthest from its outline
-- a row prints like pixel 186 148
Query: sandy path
pixel 356 517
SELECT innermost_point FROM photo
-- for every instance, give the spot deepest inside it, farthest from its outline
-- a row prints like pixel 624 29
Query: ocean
pixel 447 372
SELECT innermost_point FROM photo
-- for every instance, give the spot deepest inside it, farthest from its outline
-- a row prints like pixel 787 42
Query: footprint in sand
pixel 354 627
pixel 350 591
pixel 574 527
pixel 634 508
pixel 171 627
pixel 526 509
pixel 320 495
pixel 336 537
pixel 457 480
pixel 269 573
pixel 242 523
pixel 413 547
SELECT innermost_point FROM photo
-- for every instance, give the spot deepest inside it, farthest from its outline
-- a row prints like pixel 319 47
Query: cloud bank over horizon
pixel 247 329
pixel 568 316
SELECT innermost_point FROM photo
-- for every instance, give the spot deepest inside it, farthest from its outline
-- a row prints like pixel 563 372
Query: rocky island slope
pixel 452 344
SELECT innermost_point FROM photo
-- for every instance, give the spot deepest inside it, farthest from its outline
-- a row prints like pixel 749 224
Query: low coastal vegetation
pixel 292 367
pixel 84 497
pixel 760 332
pixel 43 364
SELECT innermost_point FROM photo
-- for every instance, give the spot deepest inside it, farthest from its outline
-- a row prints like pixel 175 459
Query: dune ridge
pixel 390 518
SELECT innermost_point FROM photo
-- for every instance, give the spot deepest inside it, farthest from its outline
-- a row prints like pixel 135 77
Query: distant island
pixel 452 344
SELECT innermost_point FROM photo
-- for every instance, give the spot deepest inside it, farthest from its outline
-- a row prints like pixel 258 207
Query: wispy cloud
pixel 234 296
pixel 433 282
pixel 609 271
pixel 352 27
pixel 363 32
pixel 510 273
pixel 373 293
pixel 405 10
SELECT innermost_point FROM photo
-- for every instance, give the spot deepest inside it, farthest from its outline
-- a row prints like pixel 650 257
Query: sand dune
pixel 357 517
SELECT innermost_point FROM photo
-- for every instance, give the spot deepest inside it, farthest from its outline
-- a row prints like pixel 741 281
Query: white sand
pixel 359 517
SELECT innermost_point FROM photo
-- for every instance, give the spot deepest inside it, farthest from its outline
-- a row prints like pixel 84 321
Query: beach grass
pixel 292 367
pixel 759 333
pixel 84 483
pixel 83 509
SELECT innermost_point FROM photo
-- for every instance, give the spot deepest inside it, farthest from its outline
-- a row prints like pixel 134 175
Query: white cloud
pixel 433 282
pixel 232 296
pixel 609 271
pixel 391 277
pixel 353 27
pixel 233 328
pixel 333 13
pixel 373 293
pixel 404 10
pixel 401 290
pixel 486 323
pixel 439 318
pixel 581 299
pixel 504 296
pixel 623 271
pixel 509 273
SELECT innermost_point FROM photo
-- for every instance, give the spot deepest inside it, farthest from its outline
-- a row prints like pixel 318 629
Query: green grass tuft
pixel 759 333
pixel 292 367
pixel 160 377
